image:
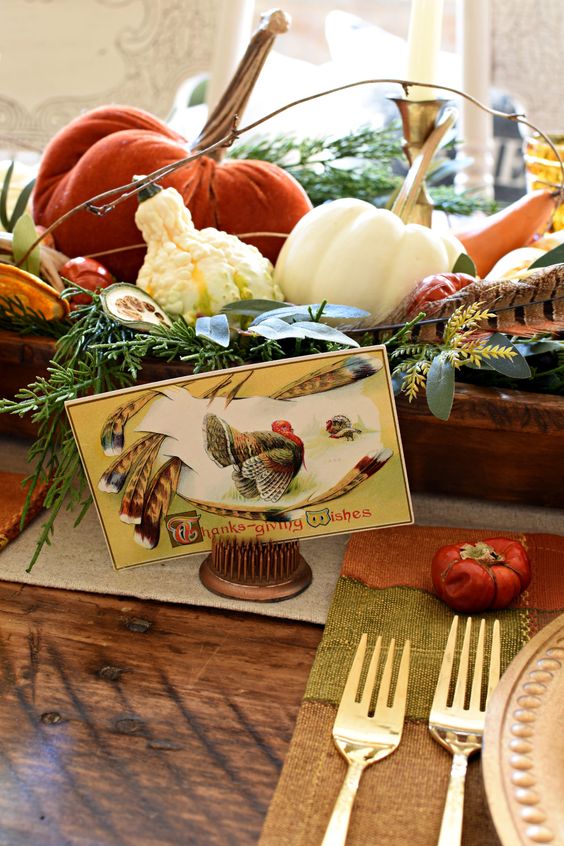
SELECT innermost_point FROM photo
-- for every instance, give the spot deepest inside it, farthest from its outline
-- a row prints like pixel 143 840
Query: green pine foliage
pixel 365 164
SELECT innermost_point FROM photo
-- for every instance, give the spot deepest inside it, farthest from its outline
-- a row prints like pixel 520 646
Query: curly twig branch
pixel 124 192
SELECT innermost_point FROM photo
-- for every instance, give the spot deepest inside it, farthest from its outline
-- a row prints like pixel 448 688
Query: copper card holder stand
pixel 255 571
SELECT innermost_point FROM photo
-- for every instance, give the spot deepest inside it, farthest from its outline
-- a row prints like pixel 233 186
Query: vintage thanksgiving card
pixel 292 449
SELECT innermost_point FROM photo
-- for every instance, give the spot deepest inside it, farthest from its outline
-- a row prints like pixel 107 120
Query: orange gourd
pixel 108 146
pixel 514 226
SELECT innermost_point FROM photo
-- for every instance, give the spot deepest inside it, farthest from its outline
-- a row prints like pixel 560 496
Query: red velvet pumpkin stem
pixel 235 97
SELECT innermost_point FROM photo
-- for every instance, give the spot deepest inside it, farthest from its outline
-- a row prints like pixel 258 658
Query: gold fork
pixel 363 739
pixel 457 728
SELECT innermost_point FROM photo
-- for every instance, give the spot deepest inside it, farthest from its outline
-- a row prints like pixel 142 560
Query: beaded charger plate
pixel 523 750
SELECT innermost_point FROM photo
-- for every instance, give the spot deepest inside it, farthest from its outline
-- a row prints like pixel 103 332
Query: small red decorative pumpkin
pixel 87 273
pixel 108 146
pixel 489 574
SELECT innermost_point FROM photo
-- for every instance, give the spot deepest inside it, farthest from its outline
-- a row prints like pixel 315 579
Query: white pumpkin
pixel 350 252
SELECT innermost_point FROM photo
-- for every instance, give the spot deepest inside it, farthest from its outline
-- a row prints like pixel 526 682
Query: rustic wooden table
pixel 137 722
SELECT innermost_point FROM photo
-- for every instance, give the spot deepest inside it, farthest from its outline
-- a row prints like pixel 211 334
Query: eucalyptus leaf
pixel 214 328
pixel 4 219
pixel 555 256
pixel 398 379
pixel 464 264
pixel 23 237
pixel 536 347
pixel 20 205
pixel 515 367
pixel 440 387
pixel 483 365
pixel 330 310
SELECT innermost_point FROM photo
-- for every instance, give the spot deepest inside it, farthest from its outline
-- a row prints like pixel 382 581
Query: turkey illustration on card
pixel 298 453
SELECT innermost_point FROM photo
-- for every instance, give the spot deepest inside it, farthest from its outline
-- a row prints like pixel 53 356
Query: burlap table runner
pixel 385 588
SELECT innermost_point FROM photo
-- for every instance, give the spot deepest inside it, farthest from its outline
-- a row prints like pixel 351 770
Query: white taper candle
pixel 423 46
pixel 476 126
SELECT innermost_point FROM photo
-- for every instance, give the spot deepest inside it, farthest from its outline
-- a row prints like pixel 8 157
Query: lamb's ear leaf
pixel 464 264
pixel 440 387
pixel 330 310
pixel 214 328
pixel 252 308
pixel 276 330
pixel 325 333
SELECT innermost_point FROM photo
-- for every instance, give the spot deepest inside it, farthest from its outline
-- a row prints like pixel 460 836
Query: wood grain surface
pixel 135 722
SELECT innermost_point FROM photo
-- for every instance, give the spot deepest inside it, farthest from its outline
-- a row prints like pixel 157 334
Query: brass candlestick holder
pixel 255 570
pixel 422 133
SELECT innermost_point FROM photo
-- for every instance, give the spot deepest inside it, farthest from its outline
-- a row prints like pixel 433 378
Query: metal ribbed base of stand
pixel 255 571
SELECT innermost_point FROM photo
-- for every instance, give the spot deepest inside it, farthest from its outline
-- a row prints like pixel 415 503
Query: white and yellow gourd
pixel 193 272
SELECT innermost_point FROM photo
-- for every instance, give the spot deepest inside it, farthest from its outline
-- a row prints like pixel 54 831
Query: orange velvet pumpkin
pixel 108 146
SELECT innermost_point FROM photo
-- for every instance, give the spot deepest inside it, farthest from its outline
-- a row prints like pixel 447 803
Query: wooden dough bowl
pixel 497 444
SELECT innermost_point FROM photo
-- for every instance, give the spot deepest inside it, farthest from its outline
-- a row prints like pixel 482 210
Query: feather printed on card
pixel 363 469
pixel 134 494
pixel 113 432
pixel 157 501
pixel 331 376
pixel 113 480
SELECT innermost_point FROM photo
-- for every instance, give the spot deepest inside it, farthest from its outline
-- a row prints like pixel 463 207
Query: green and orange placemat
pixel 12 500
pixel 385 588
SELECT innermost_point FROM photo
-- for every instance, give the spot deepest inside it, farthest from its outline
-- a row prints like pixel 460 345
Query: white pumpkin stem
pixel 235 97
pixel 406 199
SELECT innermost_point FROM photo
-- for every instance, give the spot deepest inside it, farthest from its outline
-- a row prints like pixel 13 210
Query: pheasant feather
pixel 331 376
pixel 133 497
pixel 114 478
pixel 113 431
pixel 519 306
pixel 156 504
